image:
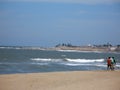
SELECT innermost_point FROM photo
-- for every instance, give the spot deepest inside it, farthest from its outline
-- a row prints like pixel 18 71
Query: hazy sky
pixel 49 22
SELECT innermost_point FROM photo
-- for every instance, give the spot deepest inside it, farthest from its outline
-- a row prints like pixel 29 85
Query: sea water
pixel 19 60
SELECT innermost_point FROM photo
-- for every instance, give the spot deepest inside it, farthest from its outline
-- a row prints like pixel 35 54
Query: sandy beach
pixel 76 80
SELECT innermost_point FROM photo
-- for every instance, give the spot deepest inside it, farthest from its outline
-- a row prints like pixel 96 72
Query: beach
pixel 73 80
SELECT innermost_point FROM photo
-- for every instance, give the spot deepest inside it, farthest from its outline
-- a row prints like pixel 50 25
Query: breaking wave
pixel 41 59
pixel 69 60
pixel 46 59
pixel 85 60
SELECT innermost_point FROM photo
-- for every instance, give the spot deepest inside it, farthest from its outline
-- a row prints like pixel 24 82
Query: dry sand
pixel 77 80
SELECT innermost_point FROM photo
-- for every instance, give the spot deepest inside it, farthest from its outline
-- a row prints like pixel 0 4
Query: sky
pixel 47 23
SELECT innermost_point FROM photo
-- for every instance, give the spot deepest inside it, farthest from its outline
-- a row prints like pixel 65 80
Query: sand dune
pixel 77 80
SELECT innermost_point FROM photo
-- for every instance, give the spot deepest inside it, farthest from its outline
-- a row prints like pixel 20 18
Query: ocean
pixel 28 60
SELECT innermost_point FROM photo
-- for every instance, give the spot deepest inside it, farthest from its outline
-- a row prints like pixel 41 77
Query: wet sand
pixel 76 80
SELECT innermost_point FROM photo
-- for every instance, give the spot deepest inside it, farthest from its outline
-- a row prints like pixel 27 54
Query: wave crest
pixel 85 60
pixel 69 60
pixel 41 59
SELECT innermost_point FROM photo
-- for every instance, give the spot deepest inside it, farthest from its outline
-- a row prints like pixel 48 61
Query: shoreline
pixel 71 80
pixel 7 74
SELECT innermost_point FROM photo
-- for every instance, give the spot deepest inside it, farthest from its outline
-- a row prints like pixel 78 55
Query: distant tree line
pixel 104 45
pixel 64 44
pixel 118 46
pixel 70 45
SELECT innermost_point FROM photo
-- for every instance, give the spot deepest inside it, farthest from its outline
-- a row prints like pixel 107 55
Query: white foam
pixel 101 65
pixel 67 50
pixel 118 65
pixel 71 64
pixel 79 51
pixel 41 59
pixel 85 60
pixel 46 59
pixel 69 60
pixel 75 64
pixel 39 63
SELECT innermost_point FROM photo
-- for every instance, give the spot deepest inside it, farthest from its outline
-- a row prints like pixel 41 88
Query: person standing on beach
pixel 109 63
pixel 113 63
pixel 114 60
